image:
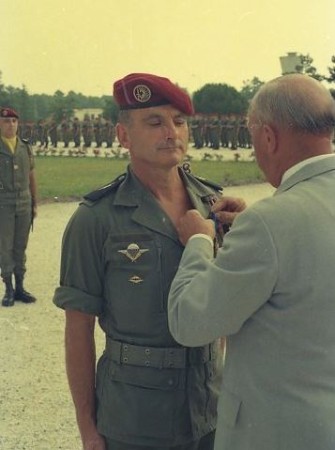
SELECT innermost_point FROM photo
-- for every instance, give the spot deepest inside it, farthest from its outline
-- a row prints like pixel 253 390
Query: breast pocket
pixel 6 173
pixel 133 286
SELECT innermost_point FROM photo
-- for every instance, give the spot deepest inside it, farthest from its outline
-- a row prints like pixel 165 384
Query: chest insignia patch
pixel 133 252
pixel 135 279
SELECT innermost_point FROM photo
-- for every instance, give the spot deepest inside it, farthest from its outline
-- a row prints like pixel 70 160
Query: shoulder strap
pixel 211 184
pixel 28 146
pixel 105 190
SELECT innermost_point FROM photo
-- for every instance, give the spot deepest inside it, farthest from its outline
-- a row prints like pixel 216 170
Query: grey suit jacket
pixel 271 291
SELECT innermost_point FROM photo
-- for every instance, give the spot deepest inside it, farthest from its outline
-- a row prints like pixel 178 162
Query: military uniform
pixel 214 133
pixel 97 130
pixel 196 128
pixel 108 133
pixel 76 132
pixel 53 133
pixel 42 134
pixel 16 216
pixel 150 390
pixel 232 127
pixel 66 132
pixel 87 131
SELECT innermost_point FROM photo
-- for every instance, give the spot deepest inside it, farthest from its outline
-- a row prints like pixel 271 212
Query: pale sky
pixel 86 45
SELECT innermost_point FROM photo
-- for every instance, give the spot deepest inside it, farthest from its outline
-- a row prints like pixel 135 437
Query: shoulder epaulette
pixel 28 145
pixel 105 190
pixel 211 184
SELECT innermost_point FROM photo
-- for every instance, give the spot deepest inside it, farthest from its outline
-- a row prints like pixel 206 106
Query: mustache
pixel 171 144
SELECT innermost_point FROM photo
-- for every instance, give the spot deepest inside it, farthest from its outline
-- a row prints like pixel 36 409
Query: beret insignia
pixel 142 93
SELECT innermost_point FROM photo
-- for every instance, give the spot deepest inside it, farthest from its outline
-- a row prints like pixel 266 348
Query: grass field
pixel 70 178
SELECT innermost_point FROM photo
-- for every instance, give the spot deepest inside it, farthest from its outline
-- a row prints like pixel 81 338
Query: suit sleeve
pixel 213 298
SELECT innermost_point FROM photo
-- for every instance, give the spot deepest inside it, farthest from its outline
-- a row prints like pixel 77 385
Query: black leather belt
pixel 159 357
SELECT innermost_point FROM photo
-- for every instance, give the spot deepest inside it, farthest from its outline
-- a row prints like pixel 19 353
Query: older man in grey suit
pixel 271 289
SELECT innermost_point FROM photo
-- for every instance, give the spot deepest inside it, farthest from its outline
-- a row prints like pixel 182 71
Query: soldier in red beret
pixel 18 206
pixel 120 253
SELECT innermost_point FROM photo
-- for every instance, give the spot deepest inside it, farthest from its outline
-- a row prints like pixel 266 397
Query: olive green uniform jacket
pixel 120 254
pixel 15 206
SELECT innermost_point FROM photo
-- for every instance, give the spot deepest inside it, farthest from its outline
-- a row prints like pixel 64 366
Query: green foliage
pixel 70 178
pixel 41 106
pixel 110 110
pixel 250 87
pixel 219 99
pixel 331 70
pixel 307 68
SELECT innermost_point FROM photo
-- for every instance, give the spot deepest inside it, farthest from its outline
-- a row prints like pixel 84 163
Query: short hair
pixel 125 116
pixel 296 102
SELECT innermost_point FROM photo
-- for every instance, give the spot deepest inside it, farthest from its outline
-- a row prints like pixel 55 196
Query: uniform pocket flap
pixel 146 377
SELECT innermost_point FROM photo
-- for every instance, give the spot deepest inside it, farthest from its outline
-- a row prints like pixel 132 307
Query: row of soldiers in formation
pixel 215 131
pixel 86 132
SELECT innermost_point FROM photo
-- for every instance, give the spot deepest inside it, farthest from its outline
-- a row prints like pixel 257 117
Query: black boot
pixel 20 294
pixel 8 299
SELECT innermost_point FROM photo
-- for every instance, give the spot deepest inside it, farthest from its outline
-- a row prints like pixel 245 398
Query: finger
pixel 226 217
pixel 229 204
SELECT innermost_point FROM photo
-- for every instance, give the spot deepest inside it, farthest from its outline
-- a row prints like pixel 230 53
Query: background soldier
pixel 53 133
pixel 66 132
pixel 108 134
pixel 243 132
pixel 224 131
pixel 17 204
pixel 196 128
pixel 232 127
pixel 42 134
pixel 214 132
pixel 76 132
pixel 87 131
pixel 97 130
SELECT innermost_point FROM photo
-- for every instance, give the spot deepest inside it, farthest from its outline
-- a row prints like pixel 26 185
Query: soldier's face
pixel 8 127
pixel 157 136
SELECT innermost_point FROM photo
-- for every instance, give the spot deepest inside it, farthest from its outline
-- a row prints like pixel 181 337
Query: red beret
pixel 8 112
pixel 144 90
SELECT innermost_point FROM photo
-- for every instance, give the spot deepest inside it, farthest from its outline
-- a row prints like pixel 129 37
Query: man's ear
pixel 122 135
pixel 271 138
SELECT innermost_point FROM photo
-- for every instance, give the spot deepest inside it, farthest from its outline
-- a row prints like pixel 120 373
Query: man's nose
pixel 170 131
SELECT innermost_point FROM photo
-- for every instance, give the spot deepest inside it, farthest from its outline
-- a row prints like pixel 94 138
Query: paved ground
pixel 36 411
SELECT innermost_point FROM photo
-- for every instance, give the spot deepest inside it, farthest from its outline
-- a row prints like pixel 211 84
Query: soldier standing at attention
pixel 76 132
pixel 109 133
pixel 120 252
pixel 87 131
pixel 97 129
pixel 53 133
pixel 17 206
pixel 196 128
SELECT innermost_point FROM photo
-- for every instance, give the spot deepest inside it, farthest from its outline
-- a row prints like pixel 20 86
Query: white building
pixel 91 112
pixel 290 62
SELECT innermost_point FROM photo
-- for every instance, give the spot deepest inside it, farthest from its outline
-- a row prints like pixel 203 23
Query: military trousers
pixel 15 221
pixel 205 443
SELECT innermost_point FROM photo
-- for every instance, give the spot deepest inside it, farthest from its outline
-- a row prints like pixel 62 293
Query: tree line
pixel 212 98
